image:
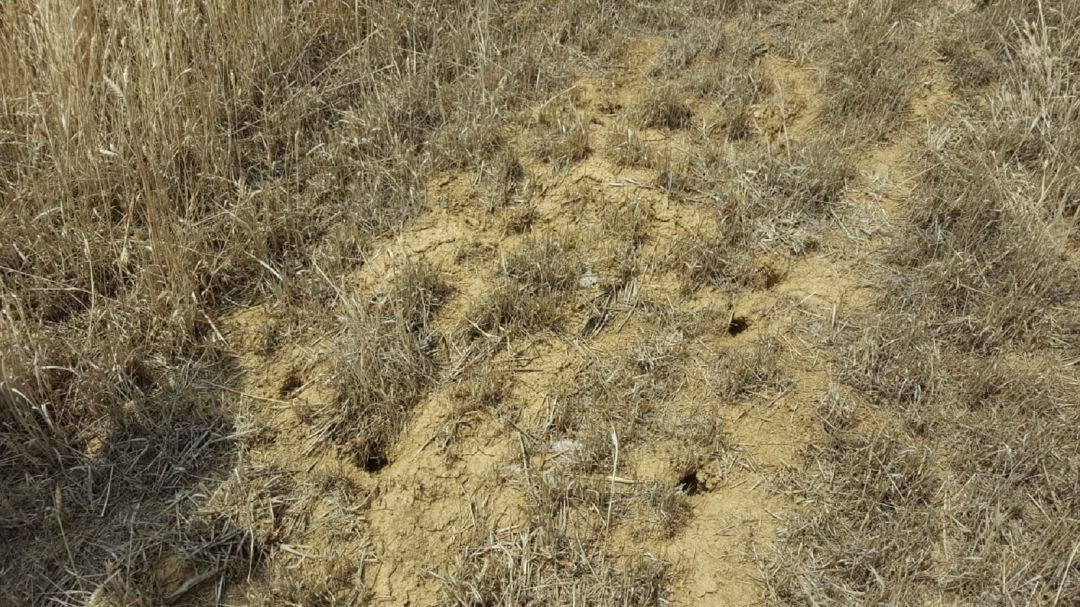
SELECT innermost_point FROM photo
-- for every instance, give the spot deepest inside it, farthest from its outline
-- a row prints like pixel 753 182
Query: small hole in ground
pixel 689 483
pixel 737 325
pixel 291 383
pixel 376 463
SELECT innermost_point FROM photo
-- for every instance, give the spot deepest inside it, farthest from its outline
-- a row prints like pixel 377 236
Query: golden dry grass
pixel 616 303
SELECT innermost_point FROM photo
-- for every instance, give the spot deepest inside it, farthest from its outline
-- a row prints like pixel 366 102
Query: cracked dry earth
pixel 457 480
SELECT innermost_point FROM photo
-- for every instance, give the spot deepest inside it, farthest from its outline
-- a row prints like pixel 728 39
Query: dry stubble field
pixel 581 302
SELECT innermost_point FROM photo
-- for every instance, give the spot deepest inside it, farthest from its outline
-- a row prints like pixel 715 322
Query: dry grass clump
pixel 383 367
pixel 1034 114
pixel 873 528
pixel 982 261
pixel 782 203
pixel 506 180
pixel 787 198
pixel 564 137
pixel 706 40
pixel 662 108
pixel 126 211
pixel 872 67
pixel 529 292
pixel 627 393
pixel 625 228
pixel 729 73
pixel 711 256
pixel 630 150
pixel 747 370
pixel 557 557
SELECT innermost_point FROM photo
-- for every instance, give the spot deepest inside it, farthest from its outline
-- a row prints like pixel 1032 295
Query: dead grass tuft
pixel 507 179
pixel 712 257
pixel 745 371
pixel 564 139
pixel 625 228
pixel 662 108
pixel 872 68
pixel 630 150
pixel 729 75
pixel 782 204
pixel 415 294
pixel 383 367
pixel 528 290
pixel 872 529
pixel 788 198
pixel 705 41
pixel 557 553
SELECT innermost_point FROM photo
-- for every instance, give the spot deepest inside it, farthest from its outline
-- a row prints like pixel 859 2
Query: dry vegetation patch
pixel 963 355
pixel 383 366
pixel 874 60
pixel 780 202
pixel 557 557
pixel 218 379
pixel 528 291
